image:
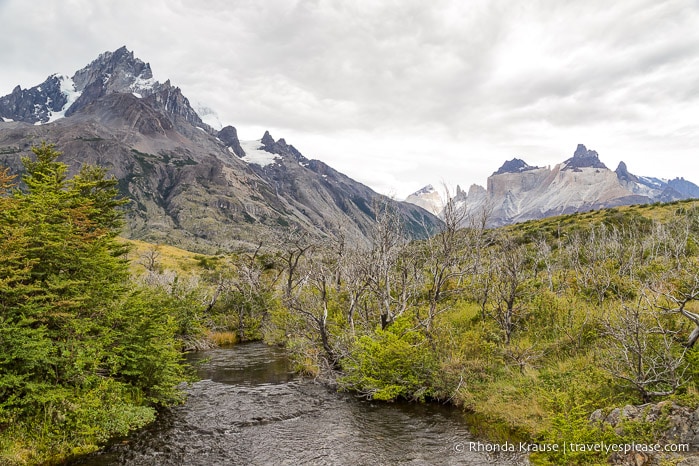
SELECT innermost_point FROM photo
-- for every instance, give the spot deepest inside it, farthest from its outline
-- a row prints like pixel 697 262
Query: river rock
pixel 682 428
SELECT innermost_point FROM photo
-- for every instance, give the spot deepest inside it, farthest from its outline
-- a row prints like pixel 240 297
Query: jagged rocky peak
pixel 583 158
pixel 686 188
pixel 622 172
pixel 429 189
pixel 171 100
pixel 112 72
pixel 118 71
pixel 476 189
pixel 229 136
pixel 36 104
pixel 514 166
pixel 280 147
pixel 267 139
pixel 428 198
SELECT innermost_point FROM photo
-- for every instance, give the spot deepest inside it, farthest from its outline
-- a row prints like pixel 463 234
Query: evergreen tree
pixel 80 351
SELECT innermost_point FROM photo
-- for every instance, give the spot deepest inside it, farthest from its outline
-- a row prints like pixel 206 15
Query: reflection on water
pixel 250 409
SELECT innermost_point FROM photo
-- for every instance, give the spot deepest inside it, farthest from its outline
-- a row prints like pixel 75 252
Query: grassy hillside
pixel 143 255
pixel 532 329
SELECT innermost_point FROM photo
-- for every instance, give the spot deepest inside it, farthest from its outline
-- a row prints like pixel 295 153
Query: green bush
pixel 82 358
pixel 393 363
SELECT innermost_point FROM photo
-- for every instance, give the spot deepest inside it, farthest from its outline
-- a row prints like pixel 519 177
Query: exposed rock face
pixel 583 158
pixel 682 426
pixel 428 198
pixel 514 166
pixel 117 72
pixel 519 192
pixel 189 185
pixel 623 174
pixel 35 104
pixel 229 136
pixel 685 188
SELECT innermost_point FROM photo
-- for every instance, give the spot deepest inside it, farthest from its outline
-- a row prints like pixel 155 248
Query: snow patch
pixel 208 116
pixel 659 182
pixel 428 198
pixel 253 154
pixel 68 90
pixel 137 95
pixel 141 84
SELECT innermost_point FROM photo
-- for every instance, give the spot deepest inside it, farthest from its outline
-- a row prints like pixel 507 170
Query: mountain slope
pixel 518 192
pixel 190 185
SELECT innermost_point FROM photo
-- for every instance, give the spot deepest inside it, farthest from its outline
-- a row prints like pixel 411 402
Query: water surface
pixel 249 409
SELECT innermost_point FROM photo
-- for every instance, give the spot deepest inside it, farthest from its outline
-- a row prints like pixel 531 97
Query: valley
pixel 557 306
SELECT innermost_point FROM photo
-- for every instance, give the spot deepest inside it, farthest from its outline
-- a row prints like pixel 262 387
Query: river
pixel 249 409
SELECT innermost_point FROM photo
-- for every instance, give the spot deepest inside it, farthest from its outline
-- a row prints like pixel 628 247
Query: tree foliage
pixel 80 350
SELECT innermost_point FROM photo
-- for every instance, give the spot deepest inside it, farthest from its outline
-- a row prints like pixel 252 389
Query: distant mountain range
pixel 191 185
pixel 518 192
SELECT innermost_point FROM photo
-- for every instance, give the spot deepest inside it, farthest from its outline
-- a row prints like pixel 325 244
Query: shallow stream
pixel 249 409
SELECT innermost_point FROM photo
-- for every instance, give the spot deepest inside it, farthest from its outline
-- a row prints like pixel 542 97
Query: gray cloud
pixel 426 89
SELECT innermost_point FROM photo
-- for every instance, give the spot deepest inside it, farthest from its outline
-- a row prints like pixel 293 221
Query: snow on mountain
pixel 143 84
pixel 254 154
pixel 519 192
pixel 70 92
pixel 655 182
pixel 208 116
pixel 428 198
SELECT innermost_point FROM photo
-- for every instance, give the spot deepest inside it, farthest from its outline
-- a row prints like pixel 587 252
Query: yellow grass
pixel 222 338
pixel 167 257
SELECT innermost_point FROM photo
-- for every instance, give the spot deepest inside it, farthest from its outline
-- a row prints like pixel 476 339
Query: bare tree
pixel 482 283
pixel 642 352
pixel 544 256
pixel 150 259
pixel 678 292
pixel 450 254
pixel 311 300
pixel 510 268
pixel 523 355
pixel 389 267
pixel 292 244
pixel 355 270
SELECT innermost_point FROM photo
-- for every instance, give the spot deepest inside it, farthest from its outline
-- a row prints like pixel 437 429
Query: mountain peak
pixel 429 189
pixel 514 166
pixel 117 72
pixel 428 198
pixel 267 139
pixel 622 172
pixel 583 158
pixel 229 136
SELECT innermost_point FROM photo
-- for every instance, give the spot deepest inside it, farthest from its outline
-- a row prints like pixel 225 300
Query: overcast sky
pixel 401 93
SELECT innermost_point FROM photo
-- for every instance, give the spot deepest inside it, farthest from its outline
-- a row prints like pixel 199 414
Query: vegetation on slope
pixel 531 327
pixel 534 326
pixel 84 354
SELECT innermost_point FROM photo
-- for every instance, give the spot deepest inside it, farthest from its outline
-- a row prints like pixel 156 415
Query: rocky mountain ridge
pixel 190 185
pixel 518 192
